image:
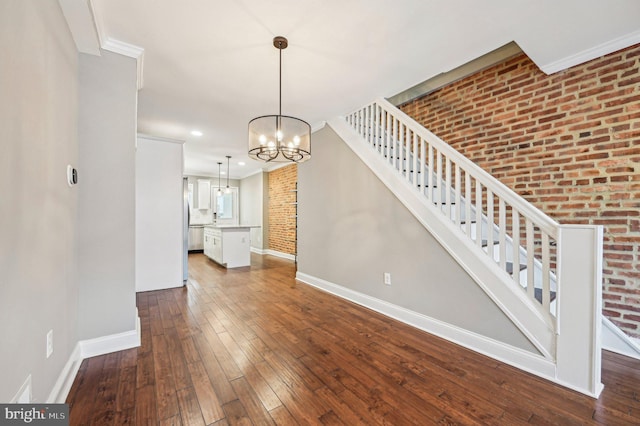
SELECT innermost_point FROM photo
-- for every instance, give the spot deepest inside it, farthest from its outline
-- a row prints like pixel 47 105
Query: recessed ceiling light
pixel 196 133
pixel 223 173
pixel 241 163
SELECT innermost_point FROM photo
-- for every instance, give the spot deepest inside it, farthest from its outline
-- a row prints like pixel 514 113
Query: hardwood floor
pixel 250 346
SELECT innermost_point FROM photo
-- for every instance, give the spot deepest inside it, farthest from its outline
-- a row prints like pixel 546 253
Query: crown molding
pixel 316 127
pixel 592 53
pixel 126 49
pixel 255 172
pixel 89 35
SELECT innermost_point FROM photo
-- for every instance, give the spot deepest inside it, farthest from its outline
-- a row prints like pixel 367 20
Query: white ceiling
pixel 210 64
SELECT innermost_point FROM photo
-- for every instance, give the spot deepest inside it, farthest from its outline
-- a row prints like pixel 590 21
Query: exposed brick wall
pixel 569 143
pixel 282 211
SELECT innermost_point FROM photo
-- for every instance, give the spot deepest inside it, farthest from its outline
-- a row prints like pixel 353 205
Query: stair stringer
pixel 496 283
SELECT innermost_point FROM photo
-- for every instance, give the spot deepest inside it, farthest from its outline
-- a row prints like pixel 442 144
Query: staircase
pixel 472 203
pixel 545 277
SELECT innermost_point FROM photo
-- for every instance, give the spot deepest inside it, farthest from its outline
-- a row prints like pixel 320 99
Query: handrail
pixel 546 223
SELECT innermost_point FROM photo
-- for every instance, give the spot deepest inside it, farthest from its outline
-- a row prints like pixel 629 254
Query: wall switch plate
pixel 49 343
pixel 387 278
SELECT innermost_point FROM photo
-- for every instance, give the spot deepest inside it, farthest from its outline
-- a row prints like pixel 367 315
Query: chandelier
pixel 279 138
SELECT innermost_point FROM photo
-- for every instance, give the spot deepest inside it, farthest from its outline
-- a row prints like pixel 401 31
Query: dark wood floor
pixel 250 346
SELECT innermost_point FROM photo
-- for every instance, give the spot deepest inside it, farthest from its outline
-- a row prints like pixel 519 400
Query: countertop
pixel 231 226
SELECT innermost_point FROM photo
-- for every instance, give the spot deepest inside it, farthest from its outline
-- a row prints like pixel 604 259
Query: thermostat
pixel 72 175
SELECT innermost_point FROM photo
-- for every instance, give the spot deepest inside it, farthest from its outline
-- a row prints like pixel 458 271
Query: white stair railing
pixel 555 269
pixel 506 228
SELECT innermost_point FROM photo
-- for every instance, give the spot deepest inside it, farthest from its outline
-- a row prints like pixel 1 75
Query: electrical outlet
pixel 49 343
pixel 387 278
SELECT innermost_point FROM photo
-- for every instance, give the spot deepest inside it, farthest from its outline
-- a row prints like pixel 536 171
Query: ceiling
pixel 210 65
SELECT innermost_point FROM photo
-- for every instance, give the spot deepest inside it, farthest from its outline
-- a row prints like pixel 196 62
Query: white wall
pixel 38 125
pixel 352 229
pixel 159 211
pixel 106 207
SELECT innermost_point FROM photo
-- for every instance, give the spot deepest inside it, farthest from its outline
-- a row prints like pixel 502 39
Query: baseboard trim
pixel 615 340
pixel 87 349
pixel 519 358
pixel 111 343
pixel 273 253
pixel 58 394
pixel 280 254
pixel 25 390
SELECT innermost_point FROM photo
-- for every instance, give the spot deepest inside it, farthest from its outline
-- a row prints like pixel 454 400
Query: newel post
pixel 578 350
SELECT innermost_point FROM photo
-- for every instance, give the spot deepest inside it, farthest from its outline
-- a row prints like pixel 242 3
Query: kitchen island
pixel 228 245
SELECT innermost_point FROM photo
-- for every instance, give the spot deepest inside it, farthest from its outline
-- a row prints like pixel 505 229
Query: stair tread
pixel 509 267
pixel 537 293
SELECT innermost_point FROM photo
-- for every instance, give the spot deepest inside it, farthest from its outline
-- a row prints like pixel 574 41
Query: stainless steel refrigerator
pixel 185 230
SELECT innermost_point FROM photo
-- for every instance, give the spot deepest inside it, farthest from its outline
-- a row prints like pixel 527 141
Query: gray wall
pixel 352 229
pixel 106 207
pixel 252 210
pixel 38 111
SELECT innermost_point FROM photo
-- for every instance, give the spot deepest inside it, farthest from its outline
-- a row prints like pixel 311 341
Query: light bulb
pixel 227 190
pixel 262 139
pixel 279 135
pixel 296 140
pixel 290 144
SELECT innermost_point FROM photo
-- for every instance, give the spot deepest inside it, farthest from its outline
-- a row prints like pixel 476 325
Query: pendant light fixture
pixel 219 190
pixel 279 138
pixel 228 190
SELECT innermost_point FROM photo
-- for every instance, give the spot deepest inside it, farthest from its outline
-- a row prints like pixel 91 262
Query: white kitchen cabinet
pixel 213 244
pixel 208 244
pixel 228 245
pixel 204 194
pixel 216 249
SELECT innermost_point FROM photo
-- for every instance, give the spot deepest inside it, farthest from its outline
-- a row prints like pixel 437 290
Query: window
pixel 226 206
